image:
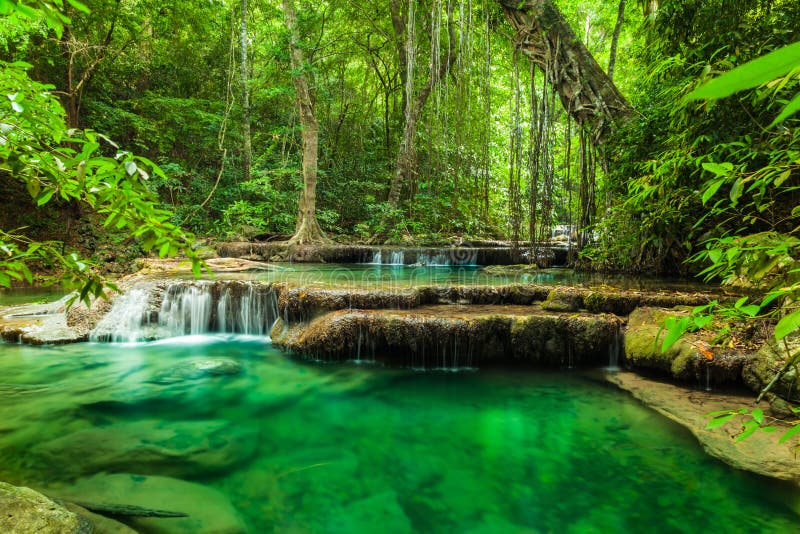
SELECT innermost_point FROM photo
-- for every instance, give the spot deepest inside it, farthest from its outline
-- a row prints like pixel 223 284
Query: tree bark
pixel 585 90
pixel 247 151
pixel 406 163
pixel 307 230
pixel 612 56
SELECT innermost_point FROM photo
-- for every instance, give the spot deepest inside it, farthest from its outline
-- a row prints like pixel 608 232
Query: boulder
pixel 25 511
pixel 684 360
pixel 766 363
pixel 177 448
pixel 208 510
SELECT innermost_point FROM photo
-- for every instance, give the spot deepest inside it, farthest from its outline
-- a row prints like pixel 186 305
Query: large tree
pixel 308 229
pixel 585 90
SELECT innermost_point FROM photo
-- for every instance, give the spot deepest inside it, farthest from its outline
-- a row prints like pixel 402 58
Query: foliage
pixel 37 149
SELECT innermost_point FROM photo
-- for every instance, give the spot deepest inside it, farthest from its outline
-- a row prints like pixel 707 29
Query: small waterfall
pixel 615 349
pixel 124 322
pixel 186 310
pixel 436 260
pixel 397 257
pixel 190 308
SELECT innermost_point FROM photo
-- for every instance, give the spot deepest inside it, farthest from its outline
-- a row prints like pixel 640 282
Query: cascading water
pixel 615 349
pixel 189 308
pixel 397 257
pixel 124 322
pixel 436 260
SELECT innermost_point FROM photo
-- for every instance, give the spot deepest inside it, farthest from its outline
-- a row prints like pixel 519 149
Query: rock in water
pixel 180 448
pixel 209 511
pixel 24 511
pixel 196 369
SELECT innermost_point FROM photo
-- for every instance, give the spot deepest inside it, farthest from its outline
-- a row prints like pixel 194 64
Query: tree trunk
pixel 308 230
pixel 406 163
pixel 612 56
pixel 247 151
pixel 585 90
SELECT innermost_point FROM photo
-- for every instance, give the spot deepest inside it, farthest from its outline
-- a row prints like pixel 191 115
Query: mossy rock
pixel 563 299
pixel 763 365
pixel 683 360
pixel 24 511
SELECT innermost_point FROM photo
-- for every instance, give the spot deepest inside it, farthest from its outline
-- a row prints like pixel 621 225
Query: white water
pixel 189 308
pixel 397 257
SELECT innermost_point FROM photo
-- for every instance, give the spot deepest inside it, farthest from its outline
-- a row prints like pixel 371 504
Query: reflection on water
pixel 237 432
pixel 391 277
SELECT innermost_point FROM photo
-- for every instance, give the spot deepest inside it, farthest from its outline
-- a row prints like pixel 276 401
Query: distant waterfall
pixel 397 257
pixel 189 308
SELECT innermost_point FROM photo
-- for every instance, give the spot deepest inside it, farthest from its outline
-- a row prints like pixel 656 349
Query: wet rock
pixel 152 446
pixel 563 300
pixel 25 511
pixel 760 453
pixel 208 510
pixel 447 335
pixel 766 363
pixel 40 324
pixel 196 369
pixel 683 360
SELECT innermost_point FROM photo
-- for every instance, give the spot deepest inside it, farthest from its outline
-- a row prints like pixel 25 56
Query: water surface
pixel 298 446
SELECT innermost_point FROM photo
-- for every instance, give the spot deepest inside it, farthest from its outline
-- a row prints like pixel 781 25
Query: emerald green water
pixel 296 446
pixel 408 276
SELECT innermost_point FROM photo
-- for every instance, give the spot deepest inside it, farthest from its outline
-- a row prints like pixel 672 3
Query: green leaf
pixel 45 197
pixel 749 428
pixel 751 310
pixel 701 321
pixel 675 329
pixel 719 421
pixel 789 434
pixel 736 190
pixel 79 6
pixel 720 169
pixel 758 415
pixel 787 325
pixel 5 280
pixel 711 190
pixel 788 110
pixel 751 74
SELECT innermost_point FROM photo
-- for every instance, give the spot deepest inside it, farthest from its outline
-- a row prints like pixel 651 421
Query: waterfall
pixel 436 260
pixel 397 257
pixel 189 308
pixel 125 321
pixel 615 349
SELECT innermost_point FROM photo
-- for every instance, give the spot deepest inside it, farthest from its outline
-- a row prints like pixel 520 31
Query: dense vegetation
pixel 432 123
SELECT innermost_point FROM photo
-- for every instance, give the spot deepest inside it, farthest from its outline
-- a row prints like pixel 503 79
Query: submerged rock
pixel 209 511
pixel 196 369
pixel 25 511
pixel 152 446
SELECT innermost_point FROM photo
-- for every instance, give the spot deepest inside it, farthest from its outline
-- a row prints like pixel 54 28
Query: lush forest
pixel 399 122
